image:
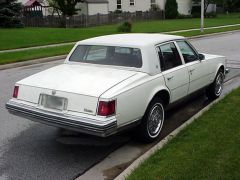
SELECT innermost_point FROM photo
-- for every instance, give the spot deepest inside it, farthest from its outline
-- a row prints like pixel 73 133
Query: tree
pixel 64 8
pixel 231 5
pixel 10 10
pixel 171 9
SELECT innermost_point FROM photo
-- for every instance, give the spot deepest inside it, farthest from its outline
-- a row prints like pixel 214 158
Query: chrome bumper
pixel 75 123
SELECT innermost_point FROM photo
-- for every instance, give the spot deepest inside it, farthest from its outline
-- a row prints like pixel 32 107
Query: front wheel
pixel 215 89
pixel 152 121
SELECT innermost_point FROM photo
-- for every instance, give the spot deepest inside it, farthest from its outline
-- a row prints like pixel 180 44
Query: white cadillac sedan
pixel 114 82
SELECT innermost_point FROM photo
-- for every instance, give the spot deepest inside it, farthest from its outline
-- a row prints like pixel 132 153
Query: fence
pixel 92 20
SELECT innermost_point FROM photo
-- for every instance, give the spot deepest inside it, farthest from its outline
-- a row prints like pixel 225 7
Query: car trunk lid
pixel 81 85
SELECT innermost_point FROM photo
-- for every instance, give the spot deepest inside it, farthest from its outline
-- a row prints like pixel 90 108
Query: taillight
pixel 106 108
pixel 15 91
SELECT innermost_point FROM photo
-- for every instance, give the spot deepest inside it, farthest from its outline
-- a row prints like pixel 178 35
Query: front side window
pixel 188 53
pixel 132 2
pixel 107 55
pixel 169 56
pixel 119 4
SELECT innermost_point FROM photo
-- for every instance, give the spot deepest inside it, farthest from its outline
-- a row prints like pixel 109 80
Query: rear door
pixel 199 71
pixel 174 72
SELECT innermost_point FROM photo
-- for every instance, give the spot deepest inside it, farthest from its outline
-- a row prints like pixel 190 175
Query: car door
pixel 174 72
pixel 199 71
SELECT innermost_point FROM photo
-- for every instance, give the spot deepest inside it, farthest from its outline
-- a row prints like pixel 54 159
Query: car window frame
pixel 157 48
pixel 193 49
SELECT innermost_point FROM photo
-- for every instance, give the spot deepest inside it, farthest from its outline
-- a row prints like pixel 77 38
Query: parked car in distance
pixel 114 82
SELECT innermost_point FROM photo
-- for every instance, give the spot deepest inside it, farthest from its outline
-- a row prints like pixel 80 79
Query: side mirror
pixel 201 57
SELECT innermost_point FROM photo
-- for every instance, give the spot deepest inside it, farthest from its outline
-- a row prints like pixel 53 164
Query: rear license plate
pixel 53 102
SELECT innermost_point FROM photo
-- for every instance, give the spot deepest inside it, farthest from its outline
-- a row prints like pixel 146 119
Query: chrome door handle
pixel 191 70
pixel 169 78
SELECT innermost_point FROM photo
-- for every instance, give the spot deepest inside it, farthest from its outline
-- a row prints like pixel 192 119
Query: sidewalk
pixel 69 43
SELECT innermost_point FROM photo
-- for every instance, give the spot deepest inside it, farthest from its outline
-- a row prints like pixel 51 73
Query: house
pixel 33 8
pixel 91 7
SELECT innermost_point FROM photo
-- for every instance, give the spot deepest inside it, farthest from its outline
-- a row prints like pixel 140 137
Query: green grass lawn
pixel 27 37
pixel 209 148
pixel 19 56
pixel 10 57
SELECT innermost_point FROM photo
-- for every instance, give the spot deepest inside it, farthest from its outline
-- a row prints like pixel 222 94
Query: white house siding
pixel 211 8
pixel 184 6
pixel 95 8
pixel 140 5
pixel 161 4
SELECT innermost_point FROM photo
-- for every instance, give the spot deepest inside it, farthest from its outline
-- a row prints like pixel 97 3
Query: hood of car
pixel 80 79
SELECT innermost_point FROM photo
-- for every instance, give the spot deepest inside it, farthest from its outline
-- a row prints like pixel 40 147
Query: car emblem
pixel 88 110
pixel 53 92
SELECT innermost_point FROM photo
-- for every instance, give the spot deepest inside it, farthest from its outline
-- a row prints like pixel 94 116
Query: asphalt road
pixel 30 150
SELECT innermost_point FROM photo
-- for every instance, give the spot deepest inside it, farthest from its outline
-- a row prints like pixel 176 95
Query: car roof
pixel 130 39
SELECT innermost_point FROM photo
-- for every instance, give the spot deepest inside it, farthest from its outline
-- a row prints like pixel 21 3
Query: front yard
pixel 28 37
pixel 207 149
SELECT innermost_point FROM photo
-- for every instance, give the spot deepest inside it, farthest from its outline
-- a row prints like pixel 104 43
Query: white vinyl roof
pixel 130 40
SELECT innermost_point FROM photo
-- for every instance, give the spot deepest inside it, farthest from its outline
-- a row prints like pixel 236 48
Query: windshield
pixel 107 55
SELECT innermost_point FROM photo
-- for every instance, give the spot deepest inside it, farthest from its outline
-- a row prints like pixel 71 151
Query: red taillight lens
pixel 15 91
pixel 106 108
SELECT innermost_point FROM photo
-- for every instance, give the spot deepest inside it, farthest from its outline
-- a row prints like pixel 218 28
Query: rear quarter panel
pixel 134 95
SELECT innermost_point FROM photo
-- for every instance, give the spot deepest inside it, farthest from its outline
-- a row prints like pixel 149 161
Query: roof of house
pixel 33 2
pixel 130 40
pixel 96 1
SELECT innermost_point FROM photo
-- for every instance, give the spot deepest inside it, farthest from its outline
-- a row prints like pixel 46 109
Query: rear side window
pixel 188 53
pixel 169 56
pixel 107 55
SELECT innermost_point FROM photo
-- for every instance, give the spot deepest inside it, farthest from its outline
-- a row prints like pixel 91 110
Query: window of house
pixel 132 2
pixel 188 53
pixel 169 56
pixel 119 4
pixel 153 2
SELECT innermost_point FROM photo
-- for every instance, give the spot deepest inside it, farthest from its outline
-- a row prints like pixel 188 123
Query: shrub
pixel 196 11
pixel 171 9
pixel 183 16
pixel 211 15
pixel 196 15
pixel 117 11
pixel 125 27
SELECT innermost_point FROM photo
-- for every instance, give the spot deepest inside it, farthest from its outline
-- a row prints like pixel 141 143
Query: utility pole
pixel 202 15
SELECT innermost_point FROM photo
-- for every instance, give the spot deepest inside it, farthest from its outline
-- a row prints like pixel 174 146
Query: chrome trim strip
pixel 73 123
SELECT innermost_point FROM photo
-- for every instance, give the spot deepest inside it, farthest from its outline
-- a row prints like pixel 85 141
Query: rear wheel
pixel 152 121
pixel 215 89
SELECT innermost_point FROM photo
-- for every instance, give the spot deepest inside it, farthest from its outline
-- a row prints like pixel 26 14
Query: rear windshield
pixel 107 55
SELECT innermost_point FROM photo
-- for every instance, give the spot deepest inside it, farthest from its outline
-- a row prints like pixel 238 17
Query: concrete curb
pixel 212 34
pixel 206 28
pixel 31 62
pixel 164 141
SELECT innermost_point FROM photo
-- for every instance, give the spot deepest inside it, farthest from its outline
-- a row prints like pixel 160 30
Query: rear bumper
pixel 80 124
